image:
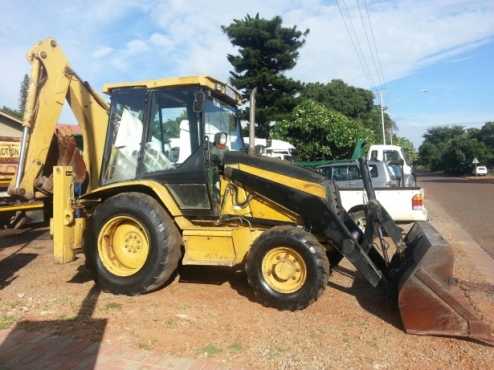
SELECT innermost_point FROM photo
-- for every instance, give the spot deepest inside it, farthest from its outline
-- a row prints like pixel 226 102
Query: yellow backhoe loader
pixel 165 178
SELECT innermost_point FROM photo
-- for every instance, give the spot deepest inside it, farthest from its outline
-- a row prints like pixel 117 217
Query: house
pixel 10 126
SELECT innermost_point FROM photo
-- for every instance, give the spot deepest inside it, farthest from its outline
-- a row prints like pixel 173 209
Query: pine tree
pixel 23 94
pixel 266 50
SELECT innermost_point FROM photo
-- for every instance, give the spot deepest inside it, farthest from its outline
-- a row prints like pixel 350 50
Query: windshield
pixel 391 155
pixel 220 117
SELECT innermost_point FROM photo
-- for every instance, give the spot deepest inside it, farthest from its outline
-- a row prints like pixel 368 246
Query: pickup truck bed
pixel 397 201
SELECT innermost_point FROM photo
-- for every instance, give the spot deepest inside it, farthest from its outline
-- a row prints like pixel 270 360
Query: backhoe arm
pixel 52 82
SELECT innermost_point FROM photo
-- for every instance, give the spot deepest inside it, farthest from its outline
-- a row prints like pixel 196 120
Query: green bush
pixel 319 133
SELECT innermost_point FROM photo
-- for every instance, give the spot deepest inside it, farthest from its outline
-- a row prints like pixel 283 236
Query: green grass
pixel 235 347
pixel 210 350
pixel 113 306
pixel 171 323
pixel 6 322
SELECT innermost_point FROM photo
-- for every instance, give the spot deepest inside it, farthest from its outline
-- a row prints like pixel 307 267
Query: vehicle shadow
pixel 374 300
pixel 217 275
pixel 13 263
pixel 11 237
pixel 51 344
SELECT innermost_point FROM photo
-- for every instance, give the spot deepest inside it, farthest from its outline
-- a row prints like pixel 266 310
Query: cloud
pixel 409 35
pixel 161 40
pixel 131 39
pixel 102 52
pixel 135 47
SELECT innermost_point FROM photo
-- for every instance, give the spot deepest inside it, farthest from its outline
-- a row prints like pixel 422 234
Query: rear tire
pixel 132 244
pixel 287 268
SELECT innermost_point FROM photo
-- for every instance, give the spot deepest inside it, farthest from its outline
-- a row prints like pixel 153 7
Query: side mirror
pixel 220 140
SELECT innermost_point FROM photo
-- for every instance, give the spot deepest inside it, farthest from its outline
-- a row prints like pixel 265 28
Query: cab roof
pixel 211 83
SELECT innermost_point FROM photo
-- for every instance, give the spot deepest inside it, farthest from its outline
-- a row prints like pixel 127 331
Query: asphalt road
pixel 469 201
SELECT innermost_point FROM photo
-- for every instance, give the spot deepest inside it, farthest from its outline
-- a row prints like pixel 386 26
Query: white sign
pixel 475 161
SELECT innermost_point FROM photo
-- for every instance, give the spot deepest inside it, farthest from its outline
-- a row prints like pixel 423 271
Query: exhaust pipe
pixel 252 122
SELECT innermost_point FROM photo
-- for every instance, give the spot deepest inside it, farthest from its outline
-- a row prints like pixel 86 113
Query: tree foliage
pixel 19 113
pixel 319 133
pixel 453 148
pixel 266 49
pixel 336 95
pixel 372 120
pixel 486 134
pixel 23 94
pixel 354 102
pixel 407 147
pixel 459 153
pixel 11 112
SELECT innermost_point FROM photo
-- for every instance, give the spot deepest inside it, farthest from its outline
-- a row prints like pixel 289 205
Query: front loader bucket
pixel 430 303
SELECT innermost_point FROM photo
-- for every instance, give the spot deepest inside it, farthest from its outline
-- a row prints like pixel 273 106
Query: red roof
pixel 76 129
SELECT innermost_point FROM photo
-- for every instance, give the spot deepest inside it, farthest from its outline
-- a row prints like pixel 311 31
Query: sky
pixel 436 56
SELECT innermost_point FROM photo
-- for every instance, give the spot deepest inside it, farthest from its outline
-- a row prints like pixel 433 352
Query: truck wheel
pixel 132 244
pixel 287 268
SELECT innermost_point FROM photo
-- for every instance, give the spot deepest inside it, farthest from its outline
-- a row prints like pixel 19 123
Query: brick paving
pixel 31 350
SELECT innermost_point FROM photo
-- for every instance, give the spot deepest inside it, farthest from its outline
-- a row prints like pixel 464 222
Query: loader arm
pixel 52 83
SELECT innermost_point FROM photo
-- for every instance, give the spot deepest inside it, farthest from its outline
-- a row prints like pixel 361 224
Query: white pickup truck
pixel 404 204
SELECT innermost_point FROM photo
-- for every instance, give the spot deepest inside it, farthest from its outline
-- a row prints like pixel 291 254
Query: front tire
pixel 132 244
pixel 287 268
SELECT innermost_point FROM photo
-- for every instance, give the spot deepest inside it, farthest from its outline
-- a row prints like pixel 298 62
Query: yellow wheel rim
pixel 123 245
pixel 284 270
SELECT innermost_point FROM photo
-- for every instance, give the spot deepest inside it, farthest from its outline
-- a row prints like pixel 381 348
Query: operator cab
pixel 162 130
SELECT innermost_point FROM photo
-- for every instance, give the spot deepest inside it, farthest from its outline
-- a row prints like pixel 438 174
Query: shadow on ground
pixel 217 275
pixel 11 237
pixel 13 263
pixel 374 300
pixel 16 260
pixel 47 344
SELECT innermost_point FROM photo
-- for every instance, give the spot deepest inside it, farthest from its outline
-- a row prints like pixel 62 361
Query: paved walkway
pixel 27 350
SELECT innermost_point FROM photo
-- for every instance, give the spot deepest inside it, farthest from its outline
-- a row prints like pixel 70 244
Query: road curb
pixel 462 241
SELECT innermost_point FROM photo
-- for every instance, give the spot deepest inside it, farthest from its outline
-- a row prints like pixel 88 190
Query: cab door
pixel 173 152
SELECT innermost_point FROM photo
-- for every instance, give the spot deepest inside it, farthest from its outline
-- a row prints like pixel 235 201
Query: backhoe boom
pixel 53 82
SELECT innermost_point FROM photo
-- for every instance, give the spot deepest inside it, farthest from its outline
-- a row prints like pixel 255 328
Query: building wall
pixel 10 126
pixel 8 130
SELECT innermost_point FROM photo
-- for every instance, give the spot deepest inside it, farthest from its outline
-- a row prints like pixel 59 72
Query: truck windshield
pixel 220 117
pixel 391 155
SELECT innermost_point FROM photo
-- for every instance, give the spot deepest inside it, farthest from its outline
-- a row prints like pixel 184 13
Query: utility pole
pixel 382 116
pixel 252 122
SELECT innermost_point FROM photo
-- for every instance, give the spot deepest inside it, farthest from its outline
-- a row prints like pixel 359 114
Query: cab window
pixel 172 135
pixel 125 134
pixel 391 155
pixel 219 117
pixel 340 173
pixel 353 172
pixel 373 170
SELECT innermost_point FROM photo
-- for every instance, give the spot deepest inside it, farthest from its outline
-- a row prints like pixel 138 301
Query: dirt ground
pixel 210 312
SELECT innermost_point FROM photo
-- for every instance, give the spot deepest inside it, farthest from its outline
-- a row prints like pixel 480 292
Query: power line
pixel 375 61
pixel 373 38
pixel 367 29
pixel 372 45
pixel 342 7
